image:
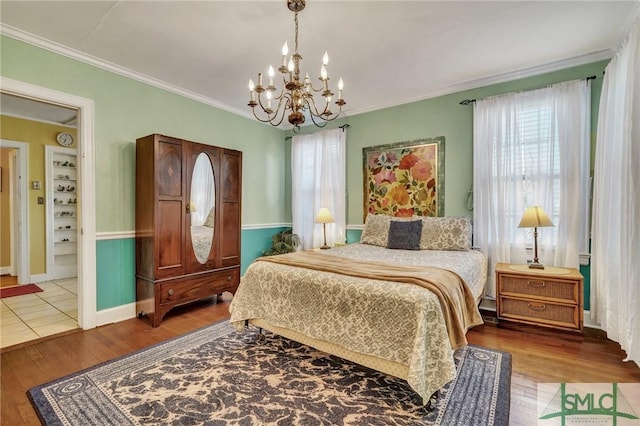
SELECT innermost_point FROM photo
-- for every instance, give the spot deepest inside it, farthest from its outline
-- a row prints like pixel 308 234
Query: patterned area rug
pixel 19 290
pixel 216 376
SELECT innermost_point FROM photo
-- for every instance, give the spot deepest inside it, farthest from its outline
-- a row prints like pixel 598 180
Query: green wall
pixel 441 116
pixel 444 116
pixel 126 109
pixel 116 271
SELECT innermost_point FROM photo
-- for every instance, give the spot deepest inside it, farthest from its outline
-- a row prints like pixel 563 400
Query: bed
pixel 384 321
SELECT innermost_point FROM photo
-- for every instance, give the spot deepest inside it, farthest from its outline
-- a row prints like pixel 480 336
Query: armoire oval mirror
pixel 202 207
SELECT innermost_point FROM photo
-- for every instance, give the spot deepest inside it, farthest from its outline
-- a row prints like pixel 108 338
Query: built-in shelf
pixel 62 200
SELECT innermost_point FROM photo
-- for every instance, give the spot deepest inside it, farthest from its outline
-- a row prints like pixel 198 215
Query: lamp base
pixel 536 265
pixel 325 247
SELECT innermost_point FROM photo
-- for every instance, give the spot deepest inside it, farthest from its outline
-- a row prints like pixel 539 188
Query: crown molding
pixel 60 49
pixel 43 43
pixel 501 78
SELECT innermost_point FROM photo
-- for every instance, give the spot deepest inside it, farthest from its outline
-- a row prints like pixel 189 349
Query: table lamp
pixel 535 217
pixel 324 217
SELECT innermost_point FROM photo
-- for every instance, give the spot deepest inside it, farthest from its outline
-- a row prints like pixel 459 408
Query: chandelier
pixel 296 96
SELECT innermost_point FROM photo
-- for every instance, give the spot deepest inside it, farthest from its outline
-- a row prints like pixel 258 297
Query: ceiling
pixel 387 52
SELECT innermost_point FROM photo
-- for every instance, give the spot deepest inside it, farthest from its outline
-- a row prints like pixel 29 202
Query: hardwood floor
pixel 536 358
pixel 8 280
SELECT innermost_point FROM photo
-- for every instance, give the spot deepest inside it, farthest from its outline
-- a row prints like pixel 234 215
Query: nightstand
pixel 550 297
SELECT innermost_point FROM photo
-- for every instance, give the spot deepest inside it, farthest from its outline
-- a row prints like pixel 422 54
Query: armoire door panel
pixel 169 234
pixel 231 175
pixel 230 244
pixel 169 169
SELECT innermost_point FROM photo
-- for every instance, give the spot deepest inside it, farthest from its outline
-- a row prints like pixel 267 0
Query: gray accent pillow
pixel 405 235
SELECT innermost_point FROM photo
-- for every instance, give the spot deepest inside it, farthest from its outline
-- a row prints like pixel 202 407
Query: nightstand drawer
pixel 541 287
pixel 540 312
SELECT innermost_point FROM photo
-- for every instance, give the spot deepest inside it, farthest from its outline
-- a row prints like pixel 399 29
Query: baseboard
pixel 39 278
pixel 588 322
pixel 5 270
pixel 117 314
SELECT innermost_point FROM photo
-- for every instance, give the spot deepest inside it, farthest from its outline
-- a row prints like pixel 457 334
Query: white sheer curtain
pixel 532 148
pixel 615 264
pixel 318 166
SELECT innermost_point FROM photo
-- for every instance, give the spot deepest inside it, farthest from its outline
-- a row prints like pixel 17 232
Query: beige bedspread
pixel 458 305
pixel 399 322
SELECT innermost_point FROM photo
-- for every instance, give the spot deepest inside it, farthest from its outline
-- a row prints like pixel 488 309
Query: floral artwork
pixel 405 179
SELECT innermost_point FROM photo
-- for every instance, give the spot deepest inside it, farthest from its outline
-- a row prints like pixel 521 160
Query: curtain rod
pixel 343 127
pixel 470 101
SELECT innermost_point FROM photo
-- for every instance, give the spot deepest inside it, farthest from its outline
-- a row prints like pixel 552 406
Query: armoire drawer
pixel 199 286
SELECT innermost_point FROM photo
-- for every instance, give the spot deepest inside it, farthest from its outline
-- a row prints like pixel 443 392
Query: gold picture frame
pixel 404 178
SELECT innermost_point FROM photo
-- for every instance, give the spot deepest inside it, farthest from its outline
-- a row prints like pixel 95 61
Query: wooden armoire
pixel 177 260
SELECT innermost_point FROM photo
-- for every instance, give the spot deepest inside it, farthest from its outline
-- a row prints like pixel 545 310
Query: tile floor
pixel 31 316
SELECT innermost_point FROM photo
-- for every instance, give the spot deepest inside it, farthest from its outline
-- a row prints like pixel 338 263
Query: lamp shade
pixel 534 217
pixel 324 216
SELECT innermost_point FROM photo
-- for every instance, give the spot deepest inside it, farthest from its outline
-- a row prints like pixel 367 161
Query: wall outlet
pixel 40 200
pixel 36 184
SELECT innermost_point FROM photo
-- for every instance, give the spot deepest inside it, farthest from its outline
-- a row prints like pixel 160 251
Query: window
pixel 318 169
pixel 532 148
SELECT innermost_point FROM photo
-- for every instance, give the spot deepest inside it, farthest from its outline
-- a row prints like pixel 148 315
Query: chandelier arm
pixel 268 120
pixel 279 110
pixel 312 103
pixel 321 89
pixel 258 118
pixel 322 124
pixel 324 118
pixel 272 120
pixel 260 103
pixel 282 91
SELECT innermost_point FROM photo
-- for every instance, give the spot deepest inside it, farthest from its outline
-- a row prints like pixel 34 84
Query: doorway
pixel 86 244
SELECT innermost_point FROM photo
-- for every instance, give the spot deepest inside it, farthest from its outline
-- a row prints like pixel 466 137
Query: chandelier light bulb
pixel 340 84
pixel 290 66
pixel 285 50
pixel 271 73
pixel 325 59
pixel 252 94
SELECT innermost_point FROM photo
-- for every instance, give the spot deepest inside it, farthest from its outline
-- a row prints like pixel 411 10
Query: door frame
pixel 87 290
pixel 18 188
